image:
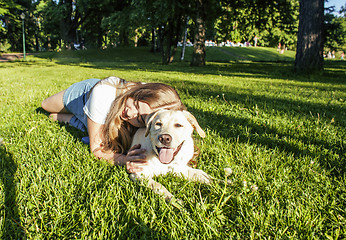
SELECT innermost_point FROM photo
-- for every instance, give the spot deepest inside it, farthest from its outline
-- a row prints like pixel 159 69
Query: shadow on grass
pixel 272 138
pixel 285 140
pixel 132 225
pixel 332 77
pixel 334 72
pixel 11 228
pixel 296 107
pixel 137 59
pixel 229 127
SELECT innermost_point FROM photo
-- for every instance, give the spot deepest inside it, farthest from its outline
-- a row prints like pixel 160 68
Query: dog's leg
pixel 196 175
pixel 158 188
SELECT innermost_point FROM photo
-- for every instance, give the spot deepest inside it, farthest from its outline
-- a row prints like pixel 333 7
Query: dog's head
pixel 169 130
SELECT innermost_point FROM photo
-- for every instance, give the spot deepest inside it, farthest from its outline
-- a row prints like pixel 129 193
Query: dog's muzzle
pixel 166 155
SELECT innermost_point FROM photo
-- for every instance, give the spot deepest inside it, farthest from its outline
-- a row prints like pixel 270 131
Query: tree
pixel 206 11
pixel 48 24
pixel 272 21
pixel 4 14
pixel 309 54
pixel 334 32
pixel 335 29
pixel 11 24
pixel 199 51
pixel 167 19
pixel 103 19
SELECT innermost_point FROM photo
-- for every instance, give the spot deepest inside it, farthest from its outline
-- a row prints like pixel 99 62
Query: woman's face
pixel 135 115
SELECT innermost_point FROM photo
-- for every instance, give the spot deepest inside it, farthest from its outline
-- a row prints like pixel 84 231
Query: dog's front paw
pixel 198 175
pixel 176 202
pixel 204 178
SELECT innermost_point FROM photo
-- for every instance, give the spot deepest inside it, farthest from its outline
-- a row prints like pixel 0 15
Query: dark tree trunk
pixel 198 56
pixel 169 37
pixel 174 30
pixel 177 32
pixel 69 23
pixel 309 55
pixel 160 38
pixel 124 38
pixel 99 33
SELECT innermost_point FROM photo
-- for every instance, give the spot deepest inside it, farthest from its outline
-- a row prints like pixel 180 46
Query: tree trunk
pixel 136 37
pixel 153 40
pixel 198 56
pixel 309 55
pixel 99 35
pixel 37 44
pixel 160 42
pixel 124 38
pixel 167 54
pixel 177 32
pixel 184 41
pixel 65 24
pixel 172 36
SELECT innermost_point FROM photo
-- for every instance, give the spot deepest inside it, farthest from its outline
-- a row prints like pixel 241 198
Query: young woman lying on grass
pixel 111 110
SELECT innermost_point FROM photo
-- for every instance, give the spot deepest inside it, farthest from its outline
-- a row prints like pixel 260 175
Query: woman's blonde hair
pixel 117 134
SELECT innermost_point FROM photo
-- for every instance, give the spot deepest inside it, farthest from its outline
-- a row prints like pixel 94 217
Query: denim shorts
pixel 75 97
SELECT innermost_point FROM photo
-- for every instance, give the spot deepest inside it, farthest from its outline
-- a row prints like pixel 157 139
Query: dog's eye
pixel 177 125
pixel 158 124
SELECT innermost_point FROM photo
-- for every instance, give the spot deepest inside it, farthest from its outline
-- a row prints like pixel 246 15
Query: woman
pixel 111 110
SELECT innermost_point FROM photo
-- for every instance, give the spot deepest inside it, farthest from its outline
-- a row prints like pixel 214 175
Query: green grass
pixel 282 135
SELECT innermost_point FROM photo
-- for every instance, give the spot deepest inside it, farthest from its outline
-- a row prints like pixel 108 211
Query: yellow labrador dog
pixel 169 146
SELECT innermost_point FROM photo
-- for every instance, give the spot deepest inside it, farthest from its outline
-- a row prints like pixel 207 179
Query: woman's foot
pixel 61 117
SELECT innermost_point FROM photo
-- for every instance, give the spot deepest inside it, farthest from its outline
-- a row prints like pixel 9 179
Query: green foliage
pixel 282 135
pixel 107 22
pixel 4 10
pixel 47 16
pixel 10 22
pixel 56 25
pixel 272 22
pixel 335 32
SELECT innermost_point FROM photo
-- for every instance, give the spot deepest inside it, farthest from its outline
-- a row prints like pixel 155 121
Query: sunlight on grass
pixel 282 135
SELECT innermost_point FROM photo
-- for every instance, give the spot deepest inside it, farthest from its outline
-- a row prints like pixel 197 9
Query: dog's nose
pixel 165 139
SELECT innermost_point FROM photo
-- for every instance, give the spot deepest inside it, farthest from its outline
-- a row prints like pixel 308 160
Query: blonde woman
pixel 111 110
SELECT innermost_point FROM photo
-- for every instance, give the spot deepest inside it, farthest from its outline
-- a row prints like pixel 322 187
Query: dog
pixel 169 146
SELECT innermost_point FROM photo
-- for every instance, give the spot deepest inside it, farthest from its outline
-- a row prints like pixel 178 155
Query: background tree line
pixel 161 24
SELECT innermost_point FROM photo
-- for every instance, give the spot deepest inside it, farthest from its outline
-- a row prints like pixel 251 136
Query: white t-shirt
pixel 101 99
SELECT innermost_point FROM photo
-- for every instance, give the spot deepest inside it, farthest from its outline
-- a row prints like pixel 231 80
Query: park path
pixel 11 56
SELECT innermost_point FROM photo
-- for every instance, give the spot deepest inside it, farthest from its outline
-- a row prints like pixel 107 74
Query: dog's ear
pixel 148 121
pixel 192 120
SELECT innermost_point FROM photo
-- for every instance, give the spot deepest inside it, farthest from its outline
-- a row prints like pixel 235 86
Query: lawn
pixel 283 136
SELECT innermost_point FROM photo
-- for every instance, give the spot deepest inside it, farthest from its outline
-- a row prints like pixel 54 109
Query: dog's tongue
pixel 166 155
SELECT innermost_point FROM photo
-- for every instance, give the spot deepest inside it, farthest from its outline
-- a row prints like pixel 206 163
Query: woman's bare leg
pixel 54 104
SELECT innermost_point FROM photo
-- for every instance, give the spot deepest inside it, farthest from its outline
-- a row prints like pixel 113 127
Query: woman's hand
pixel 94 131
pixel 135 159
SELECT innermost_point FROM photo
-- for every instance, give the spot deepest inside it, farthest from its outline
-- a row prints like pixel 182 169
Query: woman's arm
pixel 94 130
pixel 135 154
